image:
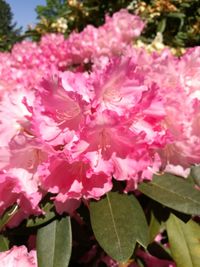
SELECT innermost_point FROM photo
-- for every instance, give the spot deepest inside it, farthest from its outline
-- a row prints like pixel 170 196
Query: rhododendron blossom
pixel 85 115
pixel 178 80
pixel 13 114
pixel 96 126
pixel 75 180
pixel 17 186
pixel 18 257
pixel 78 130
pixel 110 39
pixel 57 112
pixel 179 89
pixel 70 131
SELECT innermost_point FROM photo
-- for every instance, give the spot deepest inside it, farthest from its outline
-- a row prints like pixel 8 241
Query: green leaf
pixel 4 243
pixel 161 25
pixel 37 221
pixel 195 173
pixel 8 215
pixel 176 15
pixel 118 222
pixel 54 244
pixel 173 192
pixel 184 240
pixel 154 227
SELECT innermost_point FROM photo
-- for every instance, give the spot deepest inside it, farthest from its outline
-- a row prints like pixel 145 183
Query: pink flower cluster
pixel 30 61
pixel 55 128
pixel 178 81
pixel 73 132
pixel 110 39
pixel 70 133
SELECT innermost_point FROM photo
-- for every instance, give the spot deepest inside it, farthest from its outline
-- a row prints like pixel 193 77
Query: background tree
pixel 66 16
pixel 9 34
pixel 177 20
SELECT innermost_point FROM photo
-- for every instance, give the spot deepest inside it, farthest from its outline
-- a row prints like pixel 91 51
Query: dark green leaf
pixel 4 243
pixel 49 215
pixel 184 240
pixel 118 222
pixel 54 244
pixel 173 192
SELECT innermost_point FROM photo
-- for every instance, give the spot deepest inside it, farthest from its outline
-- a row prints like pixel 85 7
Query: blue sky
pixel 24 11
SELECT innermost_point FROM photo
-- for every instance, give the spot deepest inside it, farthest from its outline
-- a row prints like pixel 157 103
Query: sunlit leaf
pixel 184 240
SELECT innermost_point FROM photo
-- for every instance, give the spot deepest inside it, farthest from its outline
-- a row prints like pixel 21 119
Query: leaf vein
pixel 115 228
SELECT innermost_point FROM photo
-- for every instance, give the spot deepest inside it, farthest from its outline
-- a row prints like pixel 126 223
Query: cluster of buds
pixel 156 45
pixel 60 25
pixel 195 29
pixel 42 27
pixel 156 8
pixel 164 5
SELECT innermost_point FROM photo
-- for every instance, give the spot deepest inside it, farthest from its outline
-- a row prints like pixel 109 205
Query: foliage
pixel 177 20
pixel 9 34
pixel 75 15
pixel 118 221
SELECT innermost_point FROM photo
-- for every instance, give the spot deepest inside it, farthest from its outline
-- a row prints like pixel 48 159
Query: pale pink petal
pixel 18 257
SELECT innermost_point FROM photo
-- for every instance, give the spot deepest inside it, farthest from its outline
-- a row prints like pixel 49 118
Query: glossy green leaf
pixel 173 192
pixel 184 240
pixel 49 215
pixel 118 222
pixel 4 243
pixel 54 244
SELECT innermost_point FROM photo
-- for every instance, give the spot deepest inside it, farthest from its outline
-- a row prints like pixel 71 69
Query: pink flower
pixel 17 186
pixel 93 125
pixel 58 111
pixel 73 180
pixel 125 127
pixel 14 114
pixel 21 156
pixel 180 89
pixel 109 39
pixel 54 51
pixel 117 88
pixel 18 257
